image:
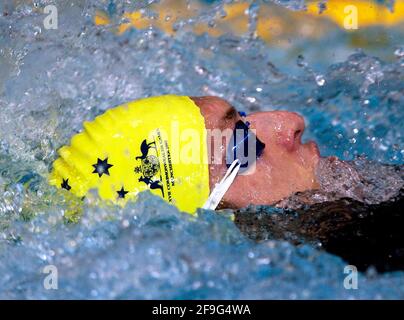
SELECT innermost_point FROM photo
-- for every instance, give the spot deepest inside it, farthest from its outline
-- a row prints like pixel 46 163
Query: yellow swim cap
pixel 156 144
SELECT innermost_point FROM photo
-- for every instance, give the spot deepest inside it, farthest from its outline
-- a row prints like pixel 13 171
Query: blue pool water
pixel 52 80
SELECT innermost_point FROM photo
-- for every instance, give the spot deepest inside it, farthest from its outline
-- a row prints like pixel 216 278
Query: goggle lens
pixel 244 146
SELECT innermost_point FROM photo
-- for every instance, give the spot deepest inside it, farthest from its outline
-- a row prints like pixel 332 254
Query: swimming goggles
pixel 242 152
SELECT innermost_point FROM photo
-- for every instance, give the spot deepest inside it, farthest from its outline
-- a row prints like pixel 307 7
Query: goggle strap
pixel 221 188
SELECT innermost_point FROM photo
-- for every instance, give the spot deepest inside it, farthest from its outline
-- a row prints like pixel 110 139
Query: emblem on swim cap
pixel 150 167
pixel 138 146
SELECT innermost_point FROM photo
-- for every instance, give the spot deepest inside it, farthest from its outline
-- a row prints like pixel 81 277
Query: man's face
pixel 285 166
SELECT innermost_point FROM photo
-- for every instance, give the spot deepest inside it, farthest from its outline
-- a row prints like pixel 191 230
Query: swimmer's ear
pixel 215 105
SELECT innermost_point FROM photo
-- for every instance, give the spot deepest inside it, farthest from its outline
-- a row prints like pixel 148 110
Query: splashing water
pixel 53 80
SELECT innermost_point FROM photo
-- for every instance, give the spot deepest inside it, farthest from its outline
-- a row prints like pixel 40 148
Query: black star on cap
pixel 65 184
pixel 121 193
pixel 102 167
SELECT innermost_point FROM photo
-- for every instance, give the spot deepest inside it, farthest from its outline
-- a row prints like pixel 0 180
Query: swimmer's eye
pixel 244 146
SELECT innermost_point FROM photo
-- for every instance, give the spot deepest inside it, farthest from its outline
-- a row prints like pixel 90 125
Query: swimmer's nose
pixel 291 133
pixel 285 127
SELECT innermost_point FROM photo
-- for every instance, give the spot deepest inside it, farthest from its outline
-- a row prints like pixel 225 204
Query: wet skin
pixel 286 165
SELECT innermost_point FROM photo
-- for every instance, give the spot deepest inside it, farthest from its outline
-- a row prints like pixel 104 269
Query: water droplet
pixel 300 61
pixel 383 147
pixel 196 285
pixel 264 261
pixel 320 80
pixel 399 52
pixel 199 70
pixel 211 23
pixel 251 99
pixel 37 30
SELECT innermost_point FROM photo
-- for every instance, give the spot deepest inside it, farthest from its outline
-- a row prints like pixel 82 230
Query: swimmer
pixel 124 152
